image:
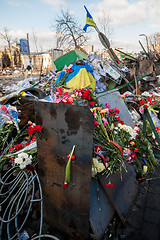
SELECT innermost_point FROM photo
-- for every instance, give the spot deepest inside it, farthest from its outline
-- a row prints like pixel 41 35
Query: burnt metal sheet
pixel 64 126
pixel 124 191
pixel 114 98
pixel 101 210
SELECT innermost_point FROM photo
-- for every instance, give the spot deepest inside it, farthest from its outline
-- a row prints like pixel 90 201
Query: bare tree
pixel 105 23
pixel 8 39
pixel 154 41
pixel 68 31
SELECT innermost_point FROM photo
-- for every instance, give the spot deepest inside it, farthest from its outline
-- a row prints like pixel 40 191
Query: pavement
pixel 143 221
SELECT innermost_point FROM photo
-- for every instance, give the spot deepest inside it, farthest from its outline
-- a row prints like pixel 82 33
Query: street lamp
pixel 146 40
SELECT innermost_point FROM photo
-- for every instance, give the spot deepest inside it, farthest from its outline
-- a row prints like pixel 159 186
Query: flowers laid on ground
pixel 115 144
pixel 76 97
pixel 17 145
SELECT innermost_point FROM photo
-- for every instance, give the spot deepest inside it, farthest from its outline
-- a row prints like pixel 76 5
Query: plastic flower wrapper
pixel 8 113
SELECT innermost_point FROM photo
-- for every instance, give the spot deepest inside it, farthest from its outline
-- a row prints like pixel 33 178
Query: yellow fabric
pixel 82 80
pixel 90 22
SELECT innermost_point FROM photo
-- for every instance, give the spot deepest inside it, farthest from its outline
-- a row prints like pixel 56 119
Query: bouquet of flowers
pixel 19 147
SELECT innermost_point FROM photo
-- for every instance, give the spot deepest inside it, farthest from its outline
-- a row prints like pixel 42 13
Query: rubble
pixel 118 151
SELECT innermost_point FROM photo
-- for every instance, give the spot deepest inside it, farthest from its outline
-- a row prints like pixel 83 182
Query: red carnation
pixel 92 103
pixel 30 168
pixel 70 70
pixel 26 144
pixel 136 150
pixel 73 156
pixel 142 102
pixel 96 123
pixel 145 106
pixel 30 130
pixel 109 185
pixel 38 128
pixel 133 156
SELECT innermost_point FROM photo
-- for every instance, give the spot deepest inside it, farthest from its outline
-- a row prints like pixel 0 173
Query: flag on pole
pixel 89 21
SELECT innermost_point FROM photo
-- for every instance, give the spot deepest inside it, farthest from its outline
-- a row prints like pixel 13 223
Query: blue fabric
pixel 85 27
pixel 60 76
pixel 88 14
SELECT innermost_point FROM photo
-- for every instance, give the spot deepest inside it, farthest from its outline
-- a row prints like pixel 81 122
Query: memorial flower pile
pixel 116 145
pixel 76 97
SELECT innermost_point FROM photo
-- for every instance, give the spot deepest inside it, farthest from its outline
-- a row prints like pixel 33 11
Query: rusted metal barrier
pixel 64 126
pixel 75 209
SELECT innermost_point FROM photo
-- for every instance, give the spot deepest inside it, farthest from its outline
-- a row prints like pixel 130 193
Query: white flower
pixel 18 160
pixel 23 155
pixel 99 166
pixel 130 130
pixel 22 165
pixel 23 160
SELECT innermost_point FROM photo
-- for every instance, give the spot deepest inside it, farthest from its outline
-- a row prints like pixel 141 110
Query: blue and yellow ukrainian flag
pixel 81 77
pixel 89 21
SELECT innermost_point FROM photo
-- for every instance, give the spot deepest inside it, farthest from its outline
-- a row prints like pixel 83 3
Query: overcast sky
pixel 129 18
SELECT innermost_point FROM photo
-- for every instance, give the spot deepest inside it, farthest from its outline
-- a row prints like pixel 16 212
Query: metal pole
pixel 29 53
pixel 146 40
pixel 144 49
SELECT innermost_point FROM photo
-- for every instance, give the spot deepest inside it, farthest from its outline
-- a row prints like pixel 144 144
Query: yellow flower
pixel 93 109
pixel 139 98
pixel 23 94
pixel 132 143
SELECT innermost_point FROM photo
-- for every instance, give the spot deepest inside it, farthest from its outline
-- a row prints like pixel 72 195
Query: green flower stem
pixel 68 167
